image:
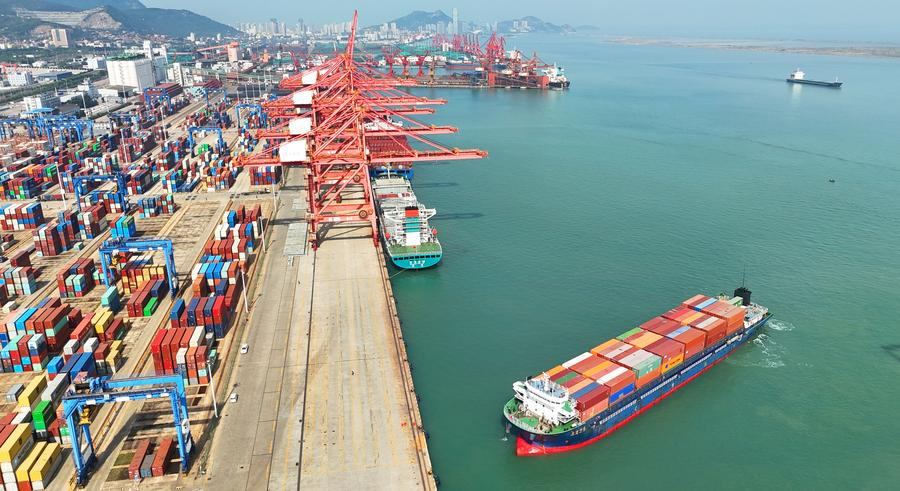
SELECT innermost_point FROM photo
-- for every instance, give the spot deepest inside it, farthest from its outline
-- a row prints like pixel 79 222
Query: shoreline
pixel 854 51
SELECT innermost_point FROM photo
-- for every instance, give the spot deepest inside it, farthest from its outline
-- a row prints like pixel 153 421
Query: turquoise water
pixel 665 172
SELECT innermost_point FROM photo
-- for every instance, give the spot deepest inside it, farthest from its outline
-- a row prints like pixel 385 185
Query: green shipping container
pixel 151 307
pixel 626 334
pixel 565 378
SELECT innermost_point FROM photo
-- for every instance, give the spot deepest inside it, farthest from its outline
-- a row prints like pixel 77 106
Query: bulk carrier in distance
pixel 403 223
pixel 595 393
pixel 798 76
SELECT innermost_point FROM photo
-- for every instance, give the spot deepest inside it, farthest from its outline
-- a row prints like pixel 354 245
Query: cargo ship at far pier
pixel 595 393
pixel 403 224
pixel 798 76
pixel 556 77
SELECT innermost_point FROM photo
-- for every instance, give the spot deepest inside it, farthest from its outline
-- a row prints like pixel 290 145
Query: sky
pixel 835 20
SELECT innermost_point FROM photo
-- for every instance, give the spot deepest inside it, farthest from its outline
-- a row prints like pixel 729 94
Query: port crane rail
pixel 104 390
pixel 347 122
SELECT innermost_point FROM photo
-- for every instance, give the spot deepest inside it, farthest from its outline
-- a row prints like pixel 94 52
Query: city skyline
pixel 864 20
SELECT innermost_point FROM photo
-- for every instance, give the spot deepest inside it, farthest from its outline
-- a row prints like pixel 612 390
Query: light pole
pixel 62 189
pixel 212 388
pixel 244 293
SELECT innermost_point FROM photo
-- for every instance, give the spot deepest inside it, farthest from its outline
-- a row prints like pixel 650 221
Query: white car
pixel 233 397
pixel 245 348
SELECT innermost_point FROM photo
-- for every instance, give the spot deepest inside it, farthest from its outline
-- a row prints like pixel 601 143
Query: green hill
pixel 125 15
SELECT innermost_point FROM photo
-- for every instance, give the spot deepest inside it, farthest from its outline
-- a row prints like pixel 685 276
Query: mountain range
pixel 19 17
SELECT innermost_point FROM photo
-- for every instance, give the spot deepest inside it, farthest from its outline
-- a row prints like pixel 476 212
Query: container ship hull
pixel 414 261
pixel 833 85
pixel 530 443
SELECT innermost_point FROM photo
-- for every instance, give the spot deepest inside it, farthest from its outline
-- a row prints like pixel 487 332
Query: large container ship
pixel 405 234
pixel 597 392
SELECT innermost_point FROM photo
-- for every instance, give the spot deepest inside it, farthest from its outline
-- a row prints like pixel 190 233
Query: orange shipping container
pixel 670 351
pixel 692 339
pixel 643 339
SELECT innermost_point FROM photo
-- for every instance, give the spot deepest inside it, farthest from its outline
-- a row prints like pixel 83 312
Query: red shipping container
pixel 692 339
pixel 661 325
pixel 669 350
pixel 712 326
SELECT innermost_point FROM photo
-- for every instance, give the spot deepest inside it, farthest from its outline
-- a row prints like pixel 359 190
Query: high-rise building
pixel 59 38
pixel 148 50
pixel 454 29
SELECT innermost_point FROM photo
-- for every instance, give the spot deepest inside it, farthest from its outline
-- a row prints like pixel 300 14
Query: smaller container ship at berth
pixel 405 234
pixel 597 392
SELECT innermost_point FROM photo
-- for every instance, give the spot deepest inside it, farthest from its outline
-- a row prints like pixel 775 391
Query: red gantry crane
pixel 344 118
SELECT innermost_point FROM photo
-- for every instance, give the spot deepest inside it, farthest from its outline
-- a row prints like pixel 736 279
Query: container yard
pixel 186 254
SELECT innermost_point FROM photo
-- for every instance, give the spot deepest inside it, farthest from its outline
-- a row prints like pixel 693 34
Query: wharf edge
pixel 412 403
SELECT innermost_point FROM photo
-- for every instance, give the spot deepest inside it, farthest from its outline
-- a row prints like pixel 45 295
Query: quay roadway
pixel 321 399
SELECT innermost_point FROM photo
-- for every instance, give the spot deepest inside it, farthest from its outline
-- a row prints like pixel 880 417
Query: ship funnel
pixel 744 293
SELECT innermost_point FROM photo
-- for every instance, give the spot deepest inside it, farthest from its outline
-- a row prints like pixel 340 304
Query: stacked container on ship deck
pixel 732 315
pixel 644 364
pixel 620 380
pixel 570 379
pixel 670 352
pixel 613 349
pixel 713 327
pixel 692 339
pixel 639 338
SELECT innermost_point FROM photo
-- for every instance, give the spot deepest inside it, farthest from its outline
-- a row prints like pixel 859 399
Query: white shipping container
pixel 612 375
pixel 577 359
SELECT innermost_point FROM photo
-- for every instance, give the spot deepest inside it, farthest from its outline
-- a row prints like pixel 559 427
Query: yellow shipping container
pixel 113 360
pixel 25 466
pixel 603 347
pixel 33 390
pixel 672 363
pixel 691 318
pixel 16 441
pixel 115 346
pixel 645 340
pixel 43 468
pixel 602 366
pixel 553 371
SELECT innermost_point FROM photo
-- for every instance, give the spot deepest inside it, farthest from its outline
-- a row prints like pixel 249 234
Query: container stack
pixel 265 175
pixel 16 447
pixel 111 299
pixel 156 205
pixel 18 281
pixel 25 353
pixel 144 302
pixel 139 181
pixel 77 279
pixel 135 468
pixel 20 188
pixel 21 216
pixel 124 228
pixel 183 350
pixel 220 179
pixel 138 271
pixel 51 317
pixel 92 222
